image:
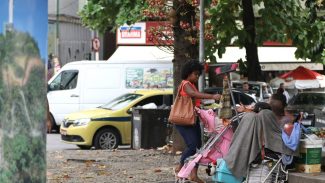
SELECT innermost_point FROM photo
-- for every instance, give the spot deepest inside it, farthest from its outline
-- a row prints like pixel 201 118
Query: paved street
pixel 54 143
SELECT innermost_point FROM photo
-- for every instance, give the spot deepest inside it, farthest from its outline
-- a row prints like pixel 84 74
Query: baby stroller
pixel 215 147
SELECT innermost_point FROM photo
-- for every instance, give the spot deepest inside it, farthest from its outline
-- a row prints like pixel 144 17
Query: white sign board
pixel 133 34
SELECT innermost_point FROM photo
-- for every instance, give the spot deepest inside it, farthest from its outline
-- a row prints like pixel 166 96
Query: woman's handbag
pixel 182 111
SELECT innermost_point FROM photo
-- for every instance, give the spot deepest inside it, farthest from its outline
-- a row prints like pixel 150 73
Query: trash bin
pixel 149 127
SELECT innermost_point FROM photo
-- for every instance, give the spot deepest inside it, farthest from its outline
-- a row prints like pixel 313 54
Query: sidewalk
pixel 107 166
pixel 304 177
pixel 122 166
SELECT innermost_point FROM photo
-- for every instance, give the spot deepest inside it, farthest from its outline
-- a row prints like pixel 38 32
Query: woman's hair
pixel 260 106
pixel 189 67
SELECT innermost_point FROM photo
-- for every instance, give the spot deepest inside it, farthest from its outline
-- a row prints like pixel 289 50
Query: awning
pixel 265 54
pixel 303 78
pixel 290 66
pixel 270 58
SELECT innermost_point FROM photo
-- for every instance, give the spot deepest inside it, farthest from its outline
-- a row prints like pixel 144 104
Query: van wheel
pixel 84 147
pixel 106 139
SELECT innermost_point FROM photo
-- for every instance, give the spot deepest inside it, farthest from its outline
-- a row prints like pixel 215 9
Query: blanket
pixel 247 142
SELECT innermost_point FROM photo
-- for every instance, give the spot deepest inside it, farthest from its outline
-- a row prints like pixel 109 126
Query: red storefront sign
pixel 274 43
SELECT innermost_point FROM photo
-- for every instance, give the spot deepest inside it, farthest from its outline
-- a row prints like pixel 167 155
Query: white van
pixel 87 84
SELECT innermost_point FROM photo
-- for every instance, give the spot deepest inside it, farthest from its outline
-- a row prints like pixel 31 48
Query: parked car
pixel 109 125
pixel 260 90
pixel 239 97
pixel 312 102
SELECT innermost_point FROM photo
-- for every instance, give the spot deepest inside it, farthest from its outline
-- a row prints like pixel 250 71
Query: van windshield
pixel 121 101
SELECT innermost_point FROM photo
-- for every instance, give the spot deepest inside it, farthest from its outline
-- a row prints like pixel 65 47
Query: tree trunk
pixel 183 51
pixel 253 67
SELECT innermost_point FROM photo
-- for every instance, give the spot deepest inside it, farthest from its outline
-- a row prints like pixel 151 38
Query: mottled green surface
pixel 22 109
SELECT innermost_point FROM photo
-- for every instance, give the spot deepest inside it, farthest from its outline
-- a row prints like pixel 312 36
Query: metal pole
pixel 57 28
pixel 201 45
pixel 232 96
pixel 97 52
pixel 93 54
pixel 97 55
pixel 201 57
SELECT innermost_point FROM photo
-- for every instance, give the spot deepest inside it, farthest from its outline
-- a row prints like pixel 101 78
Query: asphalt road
pixel 53 143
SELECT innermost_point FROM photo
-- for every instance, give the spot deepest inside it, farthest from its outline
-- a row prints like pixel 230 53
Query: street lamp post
pixel 11 11
pixel 201 45
pixel 9 25
pixel 57 28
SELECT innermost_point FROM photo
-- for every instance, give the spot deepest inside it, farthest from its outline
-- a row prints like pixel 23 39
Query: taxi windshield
pixel 121 101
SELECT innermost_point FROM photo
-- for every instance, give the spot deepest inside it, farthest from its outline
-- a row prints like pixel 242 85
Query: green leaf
pixel 212 59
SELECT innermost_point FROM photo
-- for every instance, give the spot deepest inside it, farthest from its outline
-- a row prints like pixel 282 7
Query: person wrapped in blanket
pixel 259 133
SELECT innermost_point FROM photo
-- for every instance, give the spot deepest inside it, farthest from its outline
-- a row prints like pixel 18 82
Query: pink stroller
pixel 216 146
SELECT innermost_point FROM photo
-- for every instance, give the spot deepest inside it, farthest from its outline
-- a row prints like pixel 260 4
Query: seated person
pixel 245 88
pixel 257 130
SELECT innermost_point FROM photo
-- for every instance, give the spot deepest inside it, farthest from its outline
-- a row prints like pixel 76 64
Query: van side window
pixel 66 80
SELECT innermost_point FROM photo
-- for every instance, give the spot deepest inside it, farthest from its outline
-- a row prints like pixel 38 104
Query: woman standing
pixel 192 134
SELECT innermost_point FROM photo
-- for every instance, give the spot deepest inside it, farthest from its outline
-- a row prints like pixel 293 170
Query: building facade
pixel 67 38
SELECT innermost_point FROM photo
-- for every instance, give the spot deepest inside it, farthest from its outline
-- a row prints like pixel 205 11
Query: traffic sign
pixel 95 44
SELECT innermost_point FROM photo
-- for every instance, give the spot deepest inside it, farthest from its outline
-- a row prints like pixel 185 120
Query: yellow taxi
pixel 109 125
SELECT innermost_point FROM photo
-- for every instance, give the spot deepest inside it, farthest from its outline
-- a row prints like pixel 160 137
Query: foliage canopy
pixel 280 21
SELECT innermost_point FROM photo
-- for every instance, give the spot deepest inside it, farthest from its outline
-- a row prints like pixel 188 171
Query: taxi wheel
pixel 84 147
pixel 106 139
